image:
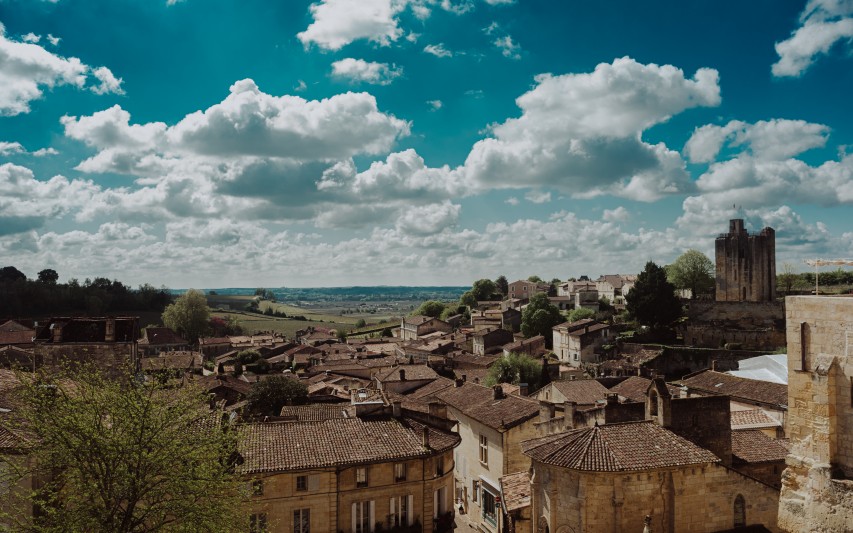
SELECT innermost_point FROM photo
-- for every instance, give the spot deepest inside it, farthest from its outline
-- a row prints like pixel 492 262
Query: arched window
pixel 740 511
pixel 653 403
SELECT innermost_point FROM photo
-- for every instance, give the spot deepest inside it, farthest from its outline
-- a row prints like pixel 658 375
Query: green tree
pixel 468 299
pixel 117 455
pixel 248 356
pixel 188 315
pixel 360 323
pixel 268 396
pixel 432 308
pixel 483 289
pixel 652 301
pixel 534 279
pixel 539 317
pixel 692 271
pixel 48 275
pixel 515 368
pixel 787 278
pixel 580 313
pixel 502 284
pixel 387 332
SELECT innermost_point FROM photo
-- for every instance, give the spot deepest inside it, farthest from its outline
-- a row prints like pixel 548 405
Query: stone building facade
pixel 817 485
pixel 369 472
pixel 746 264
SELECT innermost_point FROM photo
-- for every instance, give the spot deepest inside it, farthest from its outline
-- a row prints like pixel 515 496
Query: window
pixel 489 508
pixel 362 517
pixel 740 511
pixel 475 490
pixel 361 476
pixel 301 483
pixel 258 523
pixel 439 466
pixel 258 487
pixel 399 471
pixel 484 450
pixel 401 511
pixel 439 502
pixel 302 521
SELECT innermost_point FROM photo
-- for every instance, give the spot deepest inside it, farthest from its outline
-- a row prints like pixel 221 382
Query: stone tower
pixel 746 264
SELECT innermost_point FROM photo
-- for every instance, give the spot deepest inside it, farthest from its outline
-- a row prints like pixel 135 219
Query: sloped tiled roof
pixel 753 419
pixel 338 442
pixel 430 389
pixel 624 447
pixel 313 413
pixel 417 319
pixel 634 388
pixel 412 372
pixel 161 336
pixel 754 446
pixel 12 332
pixel 516 490
pixel 748 389
pixel 581 391
pixel 477 402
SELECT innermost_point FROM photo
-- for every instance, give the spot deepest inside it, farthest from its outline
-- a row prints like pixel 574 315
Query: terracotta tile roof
pixel 375 362
pixel 417 320
pixel 176 360
pixel 634 388
pixel 412 373
pixel 313 413
pixel 576 325
pixel 160 336
pixel 581 391
pixel 753 419
pixel 430 389
pixel 516 490
pixel 206 341
pixel 477 402
pixel 466 360
pixel 754 446
pixel 12 332
pixel 712 382
pixel 338 442
pixel 624 447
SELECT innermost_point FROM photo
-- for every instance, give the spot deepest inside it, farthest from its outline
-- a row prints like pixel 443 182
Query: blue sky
pixel 218 143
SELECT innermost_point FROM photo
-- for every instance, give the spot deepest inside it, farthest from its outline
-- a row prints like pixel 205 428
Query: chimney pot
pixel 523 389
pixel 459 382
pixel 397 408
pixel 402 375
pixel 497 392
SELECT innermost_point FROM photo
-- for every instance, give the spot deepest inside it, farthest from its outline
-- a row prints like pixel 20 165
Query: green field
pixel 233 306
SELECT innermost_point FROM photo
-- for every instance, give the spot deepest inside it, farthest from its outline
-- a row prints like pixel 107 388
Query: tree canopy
pixel 502 285
pixel 268 396
pixel 580 313
pixel 188 315
pixel 515 368
pixel 652 301
pixel 117 455
pixel 539 317
pixel 48 275
pixel 484 289
pixel 692 271
pixel 432 308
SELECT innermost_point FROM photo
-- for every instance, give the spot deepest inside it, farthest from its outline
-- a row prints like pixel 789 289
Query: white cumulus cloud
pixel 359 70
pixel 438 50
pixel 340 22
pixel 823 24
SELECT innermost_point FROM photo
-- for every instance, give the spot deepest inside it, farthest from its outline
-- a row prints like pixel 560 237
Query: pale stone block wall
pixel 817 486
pixel 695 499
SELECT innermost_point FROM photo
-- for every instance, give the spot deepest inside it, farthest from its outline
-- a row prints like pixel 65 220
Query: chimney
pixel 425 439
pixel 459 382
pixel 464 378
pixel 397 408
pixel 57 332
pixel 438 410
pixel 546 411
pixel 110 332
pixel 497 392
pixel 402 375
pixel 683 392
pixel 612 398
pixel 714 365
pixel 523 389
pixel 569 410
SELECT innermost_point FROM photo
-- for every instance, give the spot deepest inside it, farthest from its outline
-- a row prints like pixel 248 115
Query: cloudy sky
pixel 215 143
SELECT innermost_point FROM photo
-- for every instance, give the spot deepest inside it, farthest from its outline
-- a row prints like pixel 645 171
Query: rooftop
pixel 624 447
pixel 477 402
pixel 516 490
pixel 581 391
pixel 713 382
pixel 275 447
pixel 754 446
pixel 753 419
pixel 634 388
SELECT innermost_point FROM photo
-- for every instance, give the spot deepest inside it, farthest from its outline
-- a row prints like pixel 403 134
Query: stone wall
pixel 694 499
pixel 675 362
pixel 753 325
pixel 817 485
